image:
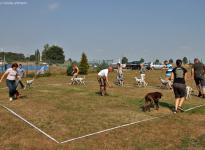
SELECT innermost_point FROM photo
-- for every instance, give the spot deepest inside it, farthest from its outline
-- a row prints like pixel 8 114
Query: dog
pixel 189 91
pixel 165 83
pixel 78 80
pixel 29 83
pixel 152 99
pixel 140 82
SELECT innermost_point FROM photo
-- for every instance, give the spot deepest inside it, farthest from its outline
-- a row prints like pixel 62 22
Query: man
pixel 119 74
pixel 198 72
pixel 168 68
pixel 21 74
pixel 102 78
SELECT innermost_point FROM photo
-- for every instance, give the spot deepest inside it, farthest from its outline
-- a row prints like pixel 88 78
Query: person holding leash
pixel 103 81
pixel 179 76
pixel 11 81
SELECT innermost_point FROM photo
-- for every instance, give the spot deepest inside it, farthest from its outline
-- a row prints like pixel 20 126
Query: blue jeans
pixel 12 87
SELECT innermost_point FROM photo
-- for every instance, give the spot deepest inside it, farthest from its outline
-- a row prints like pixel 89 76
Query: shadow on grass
pixel 166 105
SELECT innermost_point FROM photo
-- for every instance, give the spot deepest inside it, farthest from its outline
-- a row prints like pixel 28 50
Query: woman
pixel 11 81
pixel 178 77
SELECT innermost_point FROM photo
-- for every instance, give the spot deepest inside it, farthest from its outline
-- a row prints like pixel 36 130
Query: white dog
pixel 189 91
pixel 140 82
pixel 29 83
pixel 78 80
pixel 166 83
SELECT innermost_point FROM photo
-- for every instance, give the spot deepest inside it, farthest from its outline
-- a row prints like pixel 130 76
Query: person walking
pixel 178 76
pixel 103 81
pixel 12 75
pixel 21 74
pixel 198 73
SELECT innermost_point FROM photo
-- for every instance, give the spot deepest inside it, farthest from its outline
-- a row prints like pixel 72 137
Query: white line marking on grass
pixel 195 107
pixel 106 130
pixel 95 133
pixel 29 123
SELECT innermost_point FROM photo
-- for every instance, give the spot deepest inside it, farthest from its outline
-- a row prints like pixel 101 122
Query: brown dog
pixel 151 99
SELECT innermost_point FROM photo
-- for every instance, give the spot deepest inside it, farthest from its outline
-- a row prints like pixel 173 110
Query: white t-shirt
pixel 103 73
pixel 11 74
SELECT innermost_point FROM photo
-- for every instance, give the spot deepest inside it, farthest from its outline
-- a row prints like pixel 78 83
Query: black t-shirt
pixel 179 74
pixel 199 69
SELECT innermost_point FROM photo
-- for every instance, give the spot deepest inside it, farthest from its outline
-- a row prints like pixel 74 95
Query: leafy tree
pixel 11 57
pixel 185 60
pixel 124 60
pixel 54 55
pixel 141 60
pixel 69 70
pixel 32 58
pixel 156 61
pixel 171 61
pixel 46 47
pixel 84 66
pixel 37 56
pixel 101 66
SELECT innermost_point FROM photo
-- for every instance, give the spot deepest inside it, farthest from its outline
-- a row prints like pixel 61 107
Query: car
pixel 157 66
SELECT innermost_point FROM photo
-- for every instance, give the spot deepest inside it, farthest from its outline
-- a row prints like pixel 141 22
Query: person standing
pixel 119 74
pixel 75 71
pixel 103 81
pixel 11 81
pixel 168 68
pixel 198 73
pixel 21 74
pixel 142 71
pixel 178 76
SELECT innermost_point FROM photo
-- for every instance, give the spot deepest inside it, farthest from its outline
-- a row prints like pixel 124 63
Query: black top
pixel 179 74
pixel 199 69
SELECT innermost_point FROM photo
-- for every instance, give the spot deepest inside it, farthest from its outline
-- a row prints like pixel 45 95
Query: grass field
pixel 65 112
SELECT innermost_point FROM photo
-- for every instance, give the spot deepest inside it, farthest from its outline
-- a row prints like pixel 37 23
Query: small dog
pixel 140 82
pixel 189 91
pixel 29 83
pixel 165 83
pixel 150 100
pixel 78 80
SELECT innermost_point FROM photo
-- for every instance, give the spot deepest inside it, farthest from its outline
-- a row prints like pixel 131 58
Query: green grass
pixel 66 111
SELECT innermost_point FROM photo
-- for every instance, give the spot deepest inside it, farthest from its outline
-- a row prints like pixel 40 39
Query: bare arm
pixel 172 76
pixel 192 72
pixel 3 76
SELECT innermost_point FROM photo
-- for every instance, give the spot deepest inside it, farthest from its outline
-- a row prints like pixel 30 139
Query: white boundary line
pixel 91 134
pixel 106 130
pixel 194 107
pixel 29 123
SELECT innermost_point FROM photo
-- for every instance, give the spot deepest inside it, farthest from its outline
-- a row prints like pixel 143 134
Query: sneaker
pixel 203 96
pixel 180 109
pixel 10 99
pixel 174 111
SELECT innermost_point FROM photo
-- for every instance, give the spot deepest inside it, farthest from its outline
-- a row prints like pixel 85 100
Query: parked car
pixel 134 65
pixel 157 66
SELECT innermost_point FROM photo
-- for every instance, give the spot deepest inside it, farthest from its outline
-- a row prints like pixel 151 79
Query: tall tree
pixel 124 60
pixel 45 49
pixel 55 55
pixel 185 60
pixel 37 56
pixel 84 66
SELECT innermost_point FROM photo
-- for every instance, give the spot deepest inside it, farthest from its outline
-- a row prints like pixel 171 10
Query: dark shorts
pixel 200 81
pixel 179 90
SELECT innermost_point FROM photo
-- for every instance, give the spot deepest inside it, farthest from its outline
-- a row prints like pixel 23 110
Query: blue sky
pixel 106 29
